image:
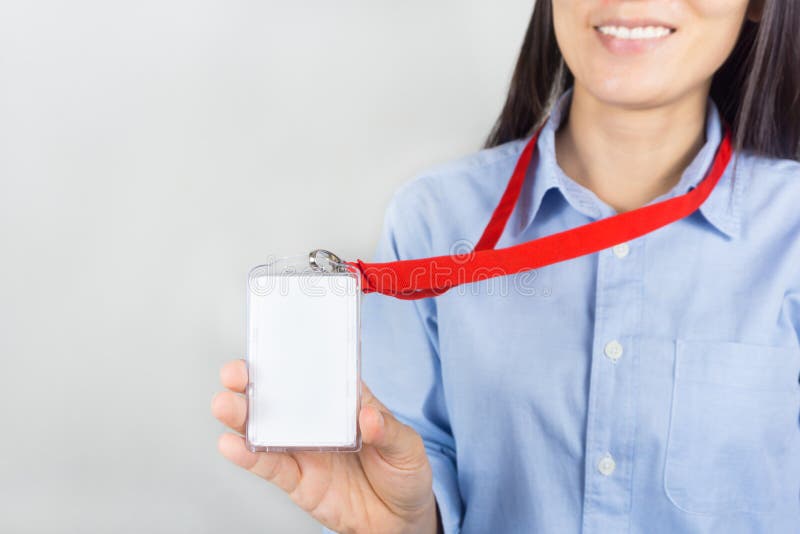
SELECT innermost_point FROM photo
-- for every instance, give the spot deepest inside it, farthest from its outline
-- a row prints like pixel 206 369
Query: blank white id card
pixel 303 359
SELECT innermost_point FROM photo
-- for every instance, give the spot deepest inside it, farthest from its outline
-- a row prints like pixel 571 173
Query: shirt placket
pixel 611 413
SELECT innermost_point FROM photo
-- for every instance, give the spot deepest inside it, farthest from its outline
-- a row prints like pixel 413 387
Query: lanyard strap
pixel 429 277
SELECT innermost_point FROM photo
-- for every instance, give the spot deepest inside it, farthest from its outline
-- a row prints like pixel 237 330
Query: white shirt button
pixel 613 350
pixel 606 465
pixel 621 250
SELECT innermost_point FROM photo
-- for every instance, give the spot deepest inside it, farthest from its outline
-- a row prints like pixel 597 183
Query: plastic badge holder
pixel 303 345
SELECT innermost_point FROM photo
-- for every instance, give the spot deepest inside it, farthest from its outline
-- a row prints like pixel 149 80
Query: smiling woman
pixel 649 387
pixel 748 50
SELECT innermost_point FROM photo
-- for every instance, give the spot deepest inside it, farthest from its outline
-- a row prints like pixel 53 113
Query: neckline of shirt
pixel 721 208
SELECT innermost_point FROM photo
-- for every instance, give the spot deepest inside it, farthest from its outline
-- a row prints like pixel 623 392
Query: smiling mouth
pixel 636 32
pixel 631 38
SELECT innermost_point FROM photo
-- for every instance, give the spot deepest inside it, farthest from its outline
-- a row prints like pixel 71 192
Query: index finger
pixel 234 376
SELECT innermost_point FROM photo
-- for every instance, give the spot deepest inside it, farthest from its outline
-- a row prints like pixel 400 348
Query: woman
pixel 650 387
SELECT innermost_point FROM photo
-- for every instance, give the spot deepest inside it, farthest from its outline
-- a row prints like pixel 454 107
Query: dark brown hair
pixel 757 89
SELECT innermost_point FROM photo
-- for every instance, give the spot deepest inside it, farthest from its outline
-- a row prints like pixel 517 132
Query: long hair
pixel 757 89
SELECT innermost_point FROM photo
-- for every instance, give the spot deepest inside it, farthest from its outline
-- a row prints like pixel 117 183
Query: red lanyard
pixel 429 277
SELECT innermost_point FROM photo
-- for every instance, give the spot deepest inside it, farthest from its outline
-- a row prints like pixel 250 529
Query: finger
pixel 276 467
pixel 367 398
pixel 396 442
pixel 230 409
pixel 233 375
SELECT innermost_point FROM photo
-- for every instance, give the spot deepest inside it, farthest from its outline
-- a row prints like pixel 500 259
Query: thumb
pixel 397 443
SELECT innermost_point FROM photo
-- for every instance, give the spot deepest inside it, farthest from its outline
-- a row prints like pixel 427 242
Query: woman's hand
pixel 384 488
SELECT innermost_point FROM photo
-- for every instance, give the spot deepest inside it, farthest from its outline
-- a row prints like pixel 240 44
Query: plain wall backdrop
pixel 151 152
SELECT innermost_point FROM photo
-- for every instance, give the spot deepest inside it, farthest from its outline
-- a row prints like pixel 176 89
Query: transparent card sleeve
pixel 303 357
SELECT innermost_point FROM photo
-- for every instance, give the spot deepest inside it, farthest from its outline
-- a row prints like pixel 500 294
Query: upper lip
pixel 635 23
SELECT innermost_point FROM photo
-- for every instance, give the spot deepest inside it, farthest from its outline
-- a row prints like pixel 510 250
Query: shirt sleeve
pixel 792 304
pixel 400 358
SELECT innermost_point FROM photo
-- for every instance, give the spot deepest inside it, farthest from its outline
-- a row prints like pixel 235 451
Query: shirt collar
pixel 721 208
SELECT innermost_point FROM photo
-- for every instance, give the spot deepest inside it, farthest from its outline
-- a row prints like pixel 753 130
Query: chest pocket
pixel 734 435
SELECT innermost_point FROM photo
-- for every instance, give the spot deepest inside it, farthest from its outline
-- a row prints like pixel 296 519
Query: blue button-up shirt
pixel 651 387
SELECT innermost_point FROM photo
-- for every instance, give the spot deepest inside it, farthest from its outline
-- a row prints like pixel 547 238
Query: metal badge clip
pixel 325 261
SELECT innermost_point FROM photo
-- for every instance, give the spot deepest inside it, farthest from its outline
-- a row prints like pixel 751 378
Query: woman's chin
pixel 623 92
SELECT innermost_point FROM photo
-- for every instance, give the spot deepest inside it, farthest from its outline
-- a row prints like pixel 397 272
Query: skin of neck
pixel 630 156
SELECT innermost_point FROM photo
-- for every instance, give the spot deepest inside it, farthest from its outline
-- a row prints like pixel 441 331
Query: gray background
pixel 150 153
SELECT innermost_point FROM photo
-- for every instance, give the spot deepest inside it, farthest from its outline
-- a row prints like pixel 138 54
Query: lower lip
pixel 615 45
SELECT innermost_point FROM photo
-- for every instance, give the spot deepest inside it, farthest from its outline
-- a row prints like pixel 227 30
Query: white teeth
pixel 640 32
